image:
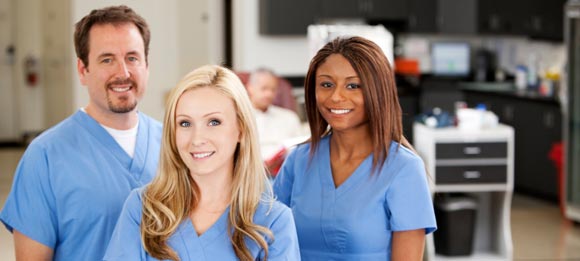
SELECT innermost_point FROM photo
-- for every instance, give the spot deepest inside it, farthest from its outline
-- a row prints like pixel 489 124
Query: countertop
pixel 506 89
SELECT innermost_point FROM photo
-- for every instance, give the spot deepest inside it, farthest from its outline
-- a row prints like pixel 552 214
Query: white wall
pixel 8 126
pixel 201 34
pixel 286 55
pixel 57 71
pixel 28 39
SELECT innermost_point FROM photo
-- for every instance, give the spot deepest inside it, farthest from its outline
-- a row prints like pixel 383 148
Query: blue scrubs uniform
pixel 71 183
pixel 213 244
pixel 356 220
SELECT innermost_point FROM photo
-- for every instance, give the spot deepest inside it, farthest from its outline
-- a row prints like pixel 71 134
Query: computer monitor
pixel 450 59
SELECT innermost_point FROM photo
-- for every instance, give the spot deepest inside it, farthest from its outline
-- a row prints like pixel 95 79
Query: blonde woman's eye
pixel 184 124
pixel 214 123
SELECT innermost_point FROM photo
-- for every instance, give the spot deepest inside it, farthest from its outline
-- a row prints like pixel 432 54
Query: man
pixel 277 127
pixel 72 181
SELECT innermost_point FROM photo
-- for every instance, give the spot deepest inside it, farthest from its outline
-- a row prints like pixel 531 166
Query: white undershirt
pixel 125 138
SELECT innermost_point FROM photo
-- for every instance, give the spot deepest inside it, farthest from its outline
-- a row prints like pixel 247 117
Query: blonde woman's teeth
pixel 202 155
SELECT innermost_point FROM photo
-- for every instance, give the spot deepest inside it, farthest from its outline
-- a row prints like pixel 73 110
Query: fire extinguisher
pixel 31 70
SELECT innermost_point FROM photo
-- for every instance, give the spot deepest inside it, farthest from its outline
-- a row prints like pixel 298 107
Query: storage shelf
pixel 487 256
pixel 472 188
pixel 492 191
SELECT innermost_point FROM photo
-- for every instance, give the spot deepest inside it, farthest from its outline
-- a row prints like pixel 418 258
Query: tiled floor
pixel 538 230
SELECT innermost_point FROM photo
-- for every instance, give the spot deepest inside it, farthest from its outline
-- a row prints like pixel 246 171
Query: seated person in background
pixel 276 126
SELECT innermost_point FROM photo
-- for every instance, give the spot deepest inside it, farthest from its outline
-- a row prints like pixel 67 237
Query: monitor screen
pixel 450 59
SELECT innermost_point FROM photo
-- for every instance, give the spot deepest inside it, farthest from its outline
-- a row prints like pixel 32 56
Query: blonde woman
pixel 211 199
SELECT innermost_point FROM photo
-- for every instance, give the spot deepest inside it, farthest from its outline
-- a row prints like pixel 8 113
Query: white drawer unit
pixel 478 163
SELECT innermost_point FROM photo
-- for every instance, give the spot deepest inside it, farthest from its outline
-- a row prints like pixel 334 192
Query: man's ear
pixel 82 70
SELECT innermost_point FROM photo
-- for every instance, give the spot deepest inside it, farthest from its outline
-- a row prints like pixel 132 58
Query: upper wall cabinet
pixel 545 20
pixel 422 17
pixel 388 10
pixel 540 19
pixel 499 18
pixel 341 9
pixel 278 17
pixel 457 16
pixel 365 9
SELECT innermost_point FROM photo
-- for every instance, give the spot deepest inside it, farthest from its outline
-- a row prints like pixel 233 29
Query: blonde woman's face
pixel 207 132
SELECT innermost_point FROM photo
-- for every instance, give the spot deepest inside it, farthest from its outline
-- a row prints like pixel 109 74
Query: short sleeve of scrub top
pixel 32 176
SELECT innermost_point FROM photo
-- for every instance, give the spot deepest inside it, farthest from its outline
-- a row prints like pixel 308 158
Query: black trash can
pixel 455 225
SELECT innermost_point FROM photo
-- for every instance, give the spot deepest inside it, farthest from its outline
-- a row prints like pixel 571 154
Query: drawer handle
pixel 472 150
pixel 473 174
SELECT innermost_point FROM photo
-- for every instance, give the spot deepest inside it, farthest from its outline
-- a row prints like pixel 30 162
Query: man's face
pixel 262 90
pixel 117 74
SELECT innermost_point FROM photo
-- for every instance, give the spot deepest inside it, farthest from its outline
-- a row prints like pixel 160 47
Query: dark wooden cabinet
pixel 422 16
pixel 457 16
pixel 545 20
pixel 333 9
pixel 287 17
pixel 540 19
pixel 388 10
pixel 538 127
pixel 365 9
pixel 497 17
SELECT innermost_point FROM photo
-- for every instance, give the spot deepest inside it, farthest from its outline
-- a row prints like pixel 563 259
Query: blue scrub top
pixel 213 244
pixel 71 182
pixel 356 220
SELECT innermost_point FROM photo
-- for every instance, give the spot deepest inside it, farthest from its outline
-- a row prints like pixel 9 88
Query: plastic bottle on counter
pixel 521 77
pixel 532 72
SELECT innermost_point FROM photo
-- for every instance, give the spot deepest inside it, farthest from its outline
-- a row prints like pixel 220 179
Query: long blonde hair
pixel 173 194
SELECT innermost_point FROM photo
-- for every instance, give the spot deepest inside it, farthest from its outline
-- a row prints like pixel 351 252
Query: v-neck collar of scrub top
pixel 134 165
pixel 194 243
pixel 325 170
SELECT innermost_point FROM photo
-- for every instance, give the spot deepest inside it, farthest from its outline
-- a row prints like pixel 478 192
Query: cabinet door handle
pixel 471 174
pixel 548 119
pixel 471 150
pixel 508 113
pixel 412 21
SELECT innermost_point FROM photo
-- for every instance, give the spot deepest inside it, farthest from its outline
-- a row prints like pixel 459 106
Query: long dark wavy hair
pixel 379 91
